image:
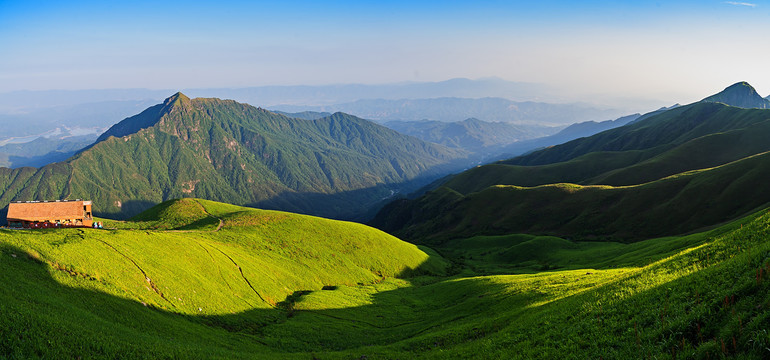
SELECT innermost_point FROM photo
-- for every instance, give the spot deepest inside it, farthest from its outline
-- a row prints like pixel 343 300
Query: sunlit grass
pixel 662 298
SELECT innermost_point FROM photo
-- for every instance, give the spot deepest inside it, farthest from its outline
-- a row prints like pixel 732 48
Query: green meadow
pixel 199 279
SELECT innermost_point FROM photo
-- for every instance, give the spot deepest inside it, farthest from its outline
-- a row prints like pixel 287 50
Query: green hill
pixel 655 133
pixel 337 166
pixel 672 205
pixel 658 130
pixel 209 294
pixel 641 162
pixel 620 168
pixel 193 256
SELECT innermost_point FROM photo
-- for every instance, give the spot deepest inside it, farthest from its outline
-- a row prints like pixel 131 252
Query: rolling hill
pixel 670 173
pixel 338 166
pixel 276 285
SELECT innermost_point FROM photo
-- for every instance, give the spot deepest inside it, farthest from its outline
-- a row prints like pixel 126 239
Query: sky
pixel 677 51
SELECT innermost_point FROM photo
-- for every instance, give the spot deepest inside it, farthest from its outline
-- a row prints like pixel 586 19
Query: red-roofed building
pixel 44 214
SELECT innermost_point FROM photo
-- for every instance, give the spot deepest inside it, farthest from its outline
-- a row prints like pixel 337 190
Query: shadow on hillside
pixel 43 317
pixel 354 205
pixel 40 307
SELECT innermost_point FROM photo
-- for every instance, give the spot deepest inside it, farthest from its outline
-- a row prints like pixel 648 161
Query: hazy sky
pixel 675 50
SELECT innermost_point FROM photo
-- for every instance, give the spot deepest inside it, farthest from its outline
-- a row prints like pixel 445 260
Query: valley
pixel 646 239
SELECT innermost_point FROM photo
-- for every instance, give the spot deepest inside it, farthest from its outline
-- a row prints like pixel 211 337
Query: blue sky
pixel 672 50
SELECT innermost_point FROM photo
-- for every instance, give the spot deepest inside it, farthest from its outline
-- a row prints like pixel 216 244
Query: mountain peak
pixel 146 118
pixel 740 94
pixel 177 98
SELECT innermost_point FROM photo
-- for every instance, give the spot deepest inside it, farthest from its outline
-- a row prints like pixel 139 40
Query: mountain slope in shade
pixel 676 171
pixel 670 206
pixel 338 166
pixel 741 95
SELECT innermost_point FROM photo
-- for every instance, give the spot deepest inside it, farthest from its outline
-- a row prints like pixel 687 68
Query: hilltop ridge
pixel 629 183
pixel 740 94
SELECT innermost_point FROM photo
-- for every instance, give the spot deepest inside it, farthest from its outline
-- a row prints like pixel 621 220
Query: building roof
pixel 41 211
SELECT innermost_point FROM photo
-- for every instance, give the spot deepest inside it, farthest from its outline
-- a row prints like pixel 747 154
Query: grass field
pixel 174 284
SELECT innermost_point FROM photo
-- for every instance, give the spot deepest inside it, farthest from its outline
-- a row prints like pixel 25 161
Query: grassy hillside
pixel 619 168
pixel 157 280
pixel 672 127
pixel 678 171
pixel 700 296
pixel 337 166
pixel 670 206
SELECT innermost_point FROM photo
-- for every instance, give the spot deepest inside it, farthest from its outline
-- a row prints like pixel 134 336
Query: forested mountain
pixel 338 166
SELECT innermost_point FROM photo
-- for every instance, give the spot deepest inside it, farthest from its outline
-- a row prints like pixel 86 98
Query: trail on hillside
pixel 222 275
pixel 243 275
pixel 147 278
pixel 221 223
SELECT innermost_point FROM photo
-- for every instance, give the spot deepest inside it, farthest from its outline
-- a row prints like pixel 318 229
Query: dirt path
pixel 147 278
pixel 221 223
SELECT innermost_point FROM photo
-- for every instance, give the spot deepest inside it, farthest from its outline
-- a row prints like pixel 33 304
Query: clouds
pixel 736 3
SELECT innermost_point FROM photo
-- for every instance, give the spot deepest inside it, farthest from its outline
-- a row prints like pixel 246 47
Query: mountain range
pixel 471 134
pixel 451 109
pixel 339 166
pixel 43 150
pixel 646 240
pixel 288 95
pixel 661 175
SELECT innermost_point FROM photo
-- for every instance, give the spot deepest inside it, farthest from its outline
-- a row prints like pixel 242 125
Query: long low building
pixel 43 214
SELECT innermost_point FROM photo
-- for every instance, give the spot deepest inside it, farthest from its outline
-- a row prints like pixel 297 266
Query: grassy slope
pixel 255 261
pixel 679 141
pixel 673 127
pixel 631 166
pixel 669 206
pixel 654 299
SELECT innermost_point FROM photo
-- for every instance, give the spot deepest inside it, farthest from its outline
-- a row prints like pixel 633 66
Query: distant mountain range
pixel 669 173
pixel 569 133
pixel 43 150
pixel 290 95
pixel 339 166
pixel 470 134
pixel 451 109
pixel 79 119
pixel 93 111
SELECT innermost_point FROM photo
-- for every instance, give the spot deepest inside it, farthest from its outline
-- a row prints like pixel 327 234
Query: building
pixel 45 214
